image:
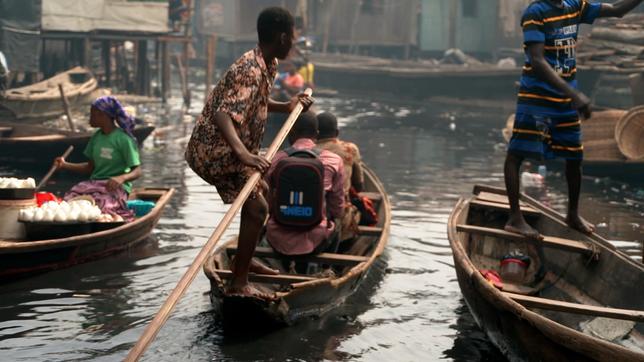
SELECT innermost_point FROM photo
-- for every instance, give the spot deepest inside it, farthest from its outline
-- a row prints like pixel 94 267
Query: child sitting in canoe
pixel 113 159
pixel 307 196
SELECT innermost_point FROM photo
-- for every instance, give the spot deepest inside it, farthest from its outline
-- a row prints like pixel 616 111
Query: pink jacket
pixel 295 242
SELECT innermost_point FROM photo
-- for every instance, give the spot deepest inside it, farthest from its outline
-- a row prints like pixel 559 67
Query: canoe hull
pixel 516 338
pixel 298 300
pixel 288 310
pixel 31 149
pixel 22 259
pixel 528 334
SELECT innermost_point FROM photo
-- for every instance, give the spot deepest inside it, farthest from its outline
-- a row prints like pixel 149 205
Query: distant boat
pixel 588 306
pixel 354 74
pixel 21 142
pixel 42 100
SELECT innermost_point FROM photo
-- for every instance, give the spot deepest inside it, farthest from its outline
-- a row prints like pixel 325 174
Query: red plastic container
pixel 42 197
pixel 513 269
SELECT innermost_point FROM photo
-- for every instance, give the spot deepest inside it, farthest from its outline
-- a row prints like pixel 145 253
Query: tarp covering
pixel 20 34
pixel 112 15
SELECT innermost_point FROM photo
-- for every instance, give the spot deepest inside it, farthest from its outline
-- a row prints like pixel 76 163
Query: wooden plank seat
pixel 548 241
pixel 323 258
pixel 373 196
pixel 369 230
pixel 525 209
pixel 499 199
pixel 576 308
pixel 284 279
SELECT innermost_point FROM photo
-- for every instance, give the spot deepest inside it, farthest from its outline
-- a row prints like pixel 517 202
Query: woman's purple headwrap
pixel 114 109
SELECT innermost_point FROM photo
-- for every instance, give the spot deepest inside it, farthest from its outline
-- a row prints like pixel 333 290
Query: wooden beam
pixel 211 46
pixel 324 258
pixel 373 196
pixel 548 241
pixel 107 61
pixel 63 99
pixel 369 230
pixel 165 72
pixel 525 209
pixel 576 308
pixel 284 279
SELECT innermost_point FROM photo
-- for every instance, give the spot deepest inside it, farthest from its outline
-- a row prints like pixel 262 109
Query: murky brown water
pixel 409 309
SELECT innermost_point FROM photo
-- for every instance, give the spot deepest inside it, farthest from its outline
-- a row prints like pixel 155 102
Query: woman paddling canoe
pixel 113 159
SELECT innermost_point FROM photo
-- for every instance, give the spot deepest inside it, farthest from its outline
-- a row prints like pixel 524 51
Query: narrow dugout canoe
pixel 23 258
pixel 29 143
pixel 298 296
pixel 42 100
pixel 589 305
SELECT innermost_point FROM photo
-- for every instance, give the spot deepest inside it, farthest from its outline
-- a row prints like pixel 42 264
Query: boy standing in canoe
pixel 224 146
pixel 547 123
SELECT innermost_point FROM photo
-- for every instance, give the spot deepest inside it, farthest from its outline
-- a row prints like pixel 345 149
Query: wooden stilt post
pixel 87 53
pixel 141 63
pixel 157 66
pixel 183 74
pixel 165 72
pixel 186 73
pixel 107 62
pixel 211 47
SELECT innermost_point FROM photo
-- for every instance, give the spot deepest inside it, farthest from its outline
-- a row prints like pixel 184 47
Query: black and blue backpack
pixel 297 189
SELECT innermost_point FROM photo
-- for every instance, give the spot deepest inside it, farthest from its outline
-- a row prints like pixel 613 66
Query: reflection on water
pixel 409 309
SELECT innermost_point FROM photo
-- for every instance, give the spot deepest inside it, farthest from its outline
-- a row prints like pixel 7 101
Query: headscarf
pixel 114 109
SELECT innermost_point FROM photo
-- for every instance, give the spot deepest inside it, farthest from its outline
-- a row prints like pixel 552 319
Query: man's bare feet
pixel 248 290
pixel 578 223
pixel 257 268
pixel 519 226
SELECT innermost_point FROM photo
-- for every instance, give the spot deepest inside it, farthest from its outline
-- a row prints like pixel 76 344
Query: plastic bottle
pixel 542 171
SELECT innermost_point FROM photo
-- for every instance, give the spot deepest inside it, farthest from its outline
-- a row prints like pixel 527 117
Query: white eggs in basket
pixel 15 183
pixel 83 216
pixel 49 215
pixel 39 215
pixel 60 216
pixel 52 211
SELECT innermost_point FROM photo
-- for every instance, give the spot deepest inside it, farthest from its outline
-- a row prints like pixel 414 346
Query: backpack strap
pixel 310 153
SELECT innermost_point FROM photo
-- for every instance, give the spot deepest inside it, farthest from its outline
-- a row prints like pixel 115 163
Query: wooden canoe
pixel 42 100
pixel 589 306
pixel 298 296
pixel 23 258
pixel 29 142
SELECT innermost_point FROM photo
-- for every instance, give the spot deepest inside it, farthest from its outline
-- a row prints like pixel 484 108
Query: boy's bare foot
pixel 519 226
pixel 579 224
pixel 248 290
pixel 257 268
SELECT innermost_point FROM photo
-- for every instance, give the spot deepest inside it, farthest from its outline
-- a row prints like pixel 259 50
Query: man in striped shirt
pixel 547 123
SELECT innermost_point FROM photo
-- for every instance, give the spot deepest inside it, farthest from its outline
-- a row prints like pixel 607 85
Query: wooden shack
pixel 477 27
pixel 111 37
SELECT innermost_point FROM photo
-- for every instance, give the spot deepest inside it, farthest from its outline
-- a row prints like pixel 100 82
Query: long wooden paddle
pixel 164 312
pixel 53 169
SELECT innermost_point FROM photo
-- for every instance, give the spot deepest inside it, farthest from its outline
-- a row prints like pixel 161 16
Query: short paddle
pixel 164 312
pixel 53 169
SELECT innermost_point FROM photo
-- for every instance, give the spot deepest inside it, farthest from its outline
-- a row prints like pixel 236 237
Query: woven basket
pixel 629 134
pixel 602 150
pixel 601 125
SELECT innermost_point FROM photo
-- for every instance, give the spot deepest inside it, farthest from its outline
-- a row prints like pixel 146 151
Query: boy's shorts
pixel 543 138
